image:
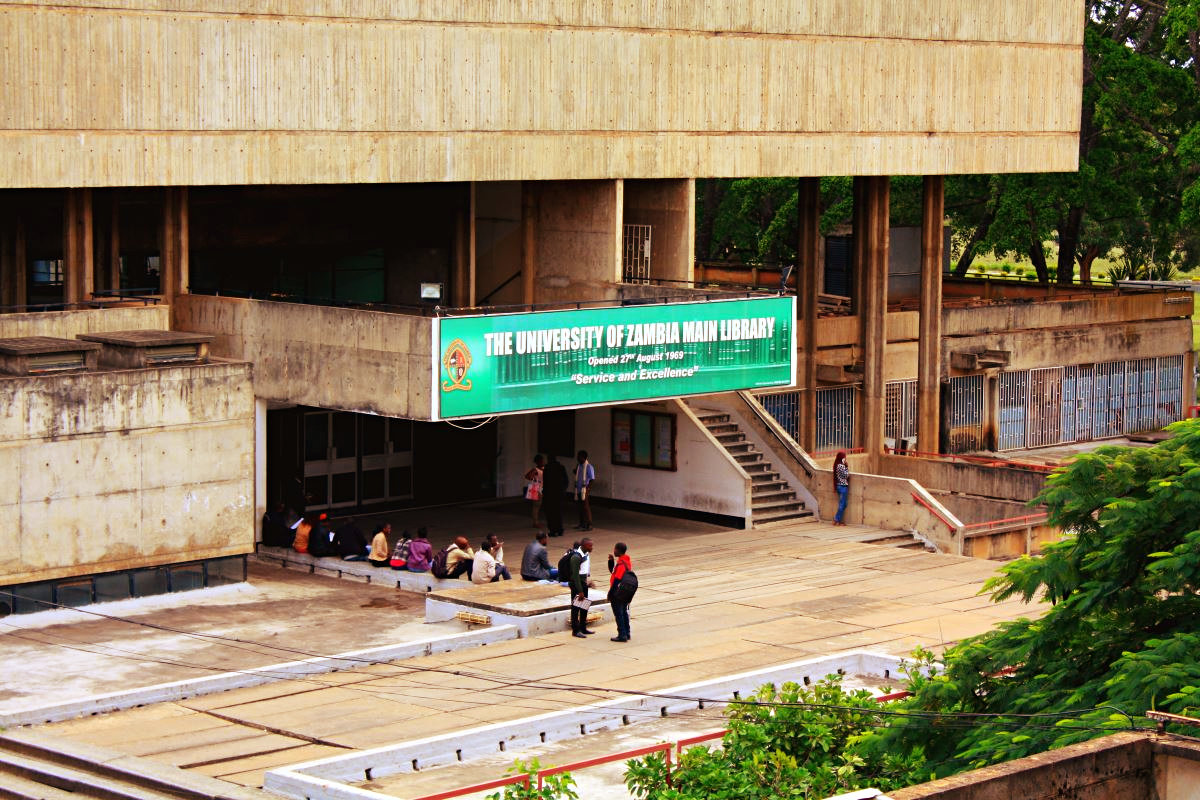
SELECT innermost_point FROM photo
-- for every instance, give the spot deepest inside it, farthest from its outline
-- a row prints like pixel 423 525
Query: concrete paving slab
pixel 689 623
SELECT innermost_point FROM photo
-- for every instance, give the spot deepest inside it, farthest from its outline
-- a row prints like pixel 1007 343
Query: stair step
pixel 713 419
pixel 776 516
pixel 73 781
pixel 755 467
pixel 730 436
pixel 750 456
pixel 776 495
pixel 739 448
pixel 761 478
pixel 720 428
pixel 894 541
pixel 777 505
pixel 14 787
pixel 758 488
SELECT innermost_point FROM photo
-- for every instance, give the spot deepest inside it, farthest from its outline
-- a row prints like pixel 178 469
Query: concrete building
pixel 332 198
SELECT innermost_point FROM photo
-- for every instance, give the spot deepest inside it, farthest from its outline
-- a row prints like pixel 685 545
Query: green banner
pixel 505 363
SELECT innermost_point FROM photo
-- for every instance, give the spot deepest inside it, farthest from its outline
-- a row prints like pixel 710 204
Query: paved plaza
pixel 713 602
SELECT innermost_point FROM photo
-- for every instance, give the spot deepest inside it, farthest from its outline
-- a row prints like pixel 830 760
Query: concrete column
pixel 808 211
pixel 173 252
pixel 528 243
pixel 471 283
pixel 929 334
pixel 77 246
pixel 8 261
pixel 618 267
pixel 690 227
pixel 872 313
pixel 859 238
pixel 260 465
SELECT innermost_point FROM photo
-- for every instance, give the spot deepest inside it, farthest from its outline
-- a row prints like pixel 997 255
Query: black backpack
pixel 624 589
pixel 438 566
pixel 564 566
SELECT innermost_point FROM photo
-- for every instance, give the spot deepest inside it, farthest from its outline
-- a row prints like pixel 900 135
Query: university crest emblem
pixel 457 360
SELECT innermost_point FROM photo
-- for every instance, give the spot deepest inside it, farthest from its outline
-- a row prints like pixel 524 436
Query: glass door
pixel 330 459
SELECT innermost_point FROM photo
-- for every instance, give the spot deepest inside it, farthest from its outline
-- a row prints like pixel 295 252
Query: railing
pixel 921 501
pixel 432 310
pixel 1010 523
pixel 99 301
pixel 666 748
pixel 983 461
pixel 850 451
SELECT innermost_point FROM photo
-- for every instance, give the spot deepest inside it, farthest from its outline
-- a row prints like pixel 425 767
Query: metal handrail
pixel 977 528
pixel 920 500
pixel 662 747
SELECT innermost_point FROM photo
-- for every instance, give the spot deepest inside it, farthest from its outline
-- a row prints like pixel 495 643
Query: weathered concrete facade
pixel 121 469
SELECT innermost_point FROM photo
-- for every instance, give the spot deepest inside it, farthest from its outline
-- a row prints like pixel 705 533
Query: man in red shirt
pixel 619 564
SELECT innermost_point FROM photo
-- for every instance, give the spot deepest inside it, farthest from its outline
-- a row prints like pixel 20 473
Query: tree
pixel 789 741
pixel 1121 634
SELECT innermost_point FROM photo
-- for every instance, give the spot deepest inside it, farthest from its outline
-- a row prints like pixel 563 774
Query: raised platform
pixel 532 608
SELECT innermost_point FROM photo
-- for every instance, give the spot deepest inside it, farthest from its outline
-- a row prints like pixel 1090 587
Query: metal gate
pixel 836 414
pixel 785 408
pixel 1043 408
pixel 966 414
pixel 1170 391
pixel 1108 399
pixel 900 404
pixel 636 254
pixel 1014 388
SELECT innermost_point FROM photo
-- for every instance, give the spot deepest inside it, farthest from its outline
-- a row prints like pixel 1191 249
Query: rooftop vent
pixel 46 355
pixel 137 349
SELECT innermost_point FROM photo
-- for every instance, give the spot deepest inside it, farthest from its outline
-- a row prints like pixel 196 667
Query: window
pixel 643 439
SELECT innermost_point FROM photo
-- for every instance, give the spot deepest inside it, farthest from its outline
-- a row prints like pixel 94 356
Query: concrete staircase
pixel 772 497
pixel 901 540
pixel 33 767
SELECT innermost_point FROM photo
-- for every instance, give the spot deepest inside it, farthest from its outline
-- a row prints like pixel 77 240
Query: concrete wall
pixel 706 480
pixel 337 358
pixel 67 324
pixel 497 243
pixel 197 92
pixel 577 240
pixel 669 207
pixel 1005 483
pixel 1117 767
pixel 113 470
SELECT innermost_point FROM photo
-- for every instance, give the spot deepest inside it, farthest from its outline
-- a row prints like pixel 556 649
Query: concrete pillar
pixel 77 246
pixel 462 290
pixel 10 267
pixel 872 312
pixel 173 251
pixel 808 211
pixel 528 243
pixel 929 334
pixel 618 266
pixel 260 465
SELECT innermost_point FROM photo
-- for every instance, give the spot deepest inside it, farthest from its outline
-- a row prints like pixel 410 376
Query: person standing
pixel 533 487
pixel 577 580
pixel 554 487
pixel 584 475
pixel 618 564
pixel 841 483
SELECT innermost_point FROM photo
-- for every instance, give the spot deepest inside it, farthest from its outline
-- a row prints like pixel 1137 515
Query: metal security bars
pixel 900 404
pixel 785 408
pixel 966 414
pixel 836 416
pixel 1058 405
pixel 636 254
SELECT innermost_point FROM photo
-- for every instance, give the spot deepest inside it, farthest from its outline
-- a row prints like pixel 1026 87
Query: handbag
pixel 533 492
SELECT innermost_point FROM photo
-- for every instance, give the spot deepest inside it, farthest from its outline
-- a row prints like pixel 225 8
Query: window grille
pixel 636 258
pixel 836 416
pixel 785 408
pixel 900 404
pixel 966 414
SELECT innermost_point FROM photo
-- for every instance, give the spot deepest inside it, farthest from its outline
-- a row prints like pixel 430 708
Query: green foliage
pixel 554 787
pixel 789 741
pixel 1122 634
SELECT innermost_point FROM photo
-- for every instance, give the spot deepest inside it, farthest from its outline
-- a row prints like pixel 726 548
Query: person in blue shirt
pixel 584 475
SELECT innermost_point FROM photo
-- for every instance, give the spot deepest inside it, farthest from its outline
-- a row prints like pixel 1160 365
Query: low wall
pixel 123 469
pixel 963 477
pixel 67 324
pixel 1125 765
pixel 344 359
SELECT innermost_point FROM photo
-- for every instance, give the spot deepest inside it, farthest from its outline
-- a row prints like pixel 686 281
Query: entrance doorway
pixel 335 442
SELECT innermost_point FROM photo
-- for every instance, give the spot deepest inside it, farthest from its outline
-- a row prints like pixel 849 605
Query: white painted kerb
pixel 326 779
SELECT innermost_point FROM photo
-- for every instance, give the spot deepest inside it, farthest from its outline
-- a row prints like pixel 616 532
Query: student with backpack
pixel 621 587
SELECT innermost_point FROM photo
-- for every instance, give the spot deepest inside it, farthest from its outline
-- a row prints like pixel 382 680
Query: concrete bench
pixel 335 567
